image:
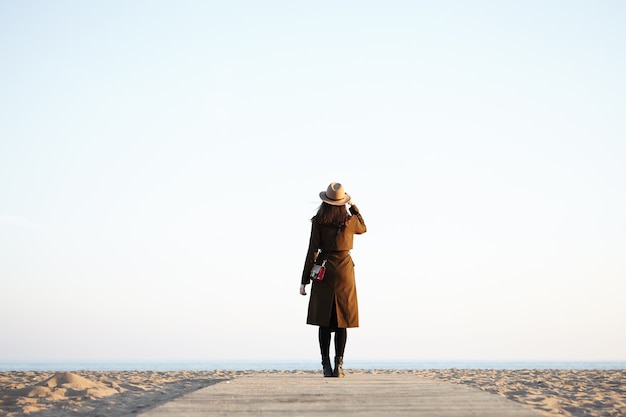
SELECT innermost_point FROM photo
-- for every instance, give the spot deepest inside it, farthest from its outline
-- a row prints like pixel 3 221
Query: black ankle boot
pixel 328 370
pixel 338 367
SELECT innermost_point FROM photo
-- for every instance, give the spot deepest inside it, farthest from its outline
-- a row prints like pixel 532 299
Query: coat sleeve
pixel 311 254
pixel 359 226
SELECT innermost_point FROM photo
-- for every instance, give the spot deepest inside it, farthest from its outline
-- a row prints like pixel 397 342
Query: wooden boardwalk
pixel 356 395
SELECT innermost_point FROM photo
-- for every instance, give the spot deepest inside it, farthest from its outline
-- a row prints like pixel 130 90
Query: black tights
pixel 340 341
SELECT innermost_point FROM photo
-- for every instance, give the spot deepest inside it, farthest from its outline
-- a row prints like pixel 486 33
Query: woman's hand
pixel 302 289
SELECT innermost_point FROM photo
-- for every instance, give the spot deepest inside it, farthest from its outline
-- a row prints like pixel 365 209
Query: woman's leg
pixel 341 336
pixel 324 339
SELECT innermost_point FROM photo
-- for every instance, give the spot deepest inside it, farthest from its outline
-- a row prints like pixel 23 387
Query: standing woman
pixel 333 304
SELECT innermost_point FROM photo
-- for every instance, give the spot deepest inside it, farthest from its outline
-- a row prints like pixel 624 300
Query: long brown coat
pixel 338 288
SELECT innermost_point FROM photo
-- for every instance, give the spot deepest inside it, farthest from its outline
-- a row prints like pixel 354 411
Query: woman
pixel 333 304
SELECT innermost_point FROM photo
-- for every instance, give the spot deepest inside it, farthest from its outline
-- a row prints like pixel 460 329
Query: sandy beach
pixel 126 393
pixel 549 392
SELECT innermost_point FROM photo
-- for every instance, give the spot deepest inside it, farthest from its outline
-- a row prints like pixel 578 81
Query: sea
pixel 287 365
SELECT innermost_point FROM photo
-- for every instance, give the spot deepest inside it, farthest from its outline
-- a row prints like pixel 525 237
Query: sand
pixel 549 392
pixel 90 393
pixel 128 393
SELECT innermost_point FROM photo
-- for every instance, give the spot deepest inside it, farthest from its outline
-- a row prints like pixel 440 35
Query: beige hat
pixel 335 195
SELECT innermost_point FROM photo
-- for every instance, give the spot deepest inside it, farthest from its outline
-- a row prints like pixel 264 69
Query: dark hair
pixel 329 215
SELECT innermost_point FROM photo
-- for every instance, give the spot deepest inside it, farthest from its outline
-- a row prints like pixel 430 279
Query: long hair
pixel 329 215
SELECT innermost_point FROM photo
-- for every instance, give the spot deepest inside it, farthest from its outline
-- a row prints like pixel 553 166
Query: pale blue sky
pixel 159 163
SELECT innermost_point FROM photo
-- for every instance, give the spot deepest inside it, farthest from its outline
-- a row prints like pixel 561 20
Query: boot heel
pixel 338 372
